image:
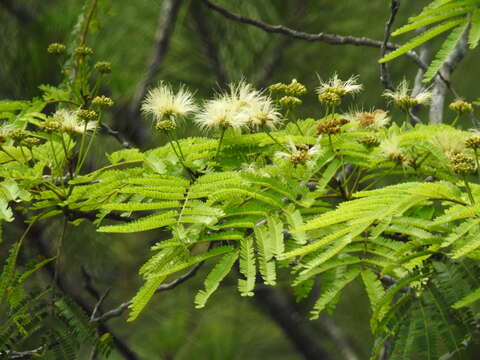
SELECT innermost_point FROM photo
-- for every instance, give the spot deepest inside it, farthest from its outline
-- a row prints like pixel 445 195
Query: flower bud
pixel 103 67
pixel 56 49
pixel 102 101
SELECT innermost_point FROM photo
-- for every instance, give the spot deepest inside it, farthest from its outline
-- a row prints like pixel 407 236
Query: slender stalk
pixel 23 154
pixel 220 140
pixel 82 145
pixel 31 154
pixel 476 162
pixel 330 142
pixel 454 122
pixel 275 140
pixel 293 118
pixel 129 162
pixel 54 154
pixel 64 145
pixel 179 148
pixel 469 190
pixel 89 146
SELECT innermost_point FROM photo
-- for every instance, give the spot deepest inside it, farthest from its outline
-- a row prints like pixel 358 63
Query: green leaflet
pixel 468 300
pixel 422 38
pixel 333 290
pixel 474 34
pixel 146 223
pixel 266 247
pixel 247 267
pixel 143 296
pixel 141 206
pixel 433 19
pixel 162 273
pixel 448 45
pixel 374 288
pixel 218 273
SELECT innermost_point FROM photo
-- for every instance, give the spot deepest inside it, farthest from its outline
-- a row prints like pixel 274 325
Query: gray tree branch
pixel 21 13
pixel 36 238
pixel 332 39
pixel 384 73
pixel 301 333
pixel 164 287
pixel 439 88
pixel 275 60
pixel 209 46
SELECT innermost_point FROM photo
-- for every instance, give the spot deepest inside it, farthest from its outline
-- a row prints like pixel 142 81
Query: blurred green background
pixel 123 32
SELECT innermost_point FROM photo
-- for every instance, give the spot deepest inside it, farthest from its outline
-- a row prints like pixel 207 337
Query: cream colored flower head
pixel 339 87
pixel 162 102
pixel 390 149
pixel 450 143
pixel 300 154
pixel 372 120
pixel 71 123
pixel 261 113
pixel 218 113
pixel 401 96
pixel 241 106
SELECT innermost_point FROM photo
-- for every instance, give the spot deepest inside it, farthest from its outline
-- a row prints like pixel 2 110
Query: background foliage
pixel 91 262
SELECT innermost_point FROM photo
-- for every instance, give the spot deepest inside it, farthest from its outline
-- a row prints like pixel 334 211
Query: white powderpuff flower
pixel 162 102
pixel 70 122
pixel 390 149
pixel 373 120
pixel 401 96
pixel 339 87
pixel 450 143
pixel 220 112
pixel 241 106
pixel 261 113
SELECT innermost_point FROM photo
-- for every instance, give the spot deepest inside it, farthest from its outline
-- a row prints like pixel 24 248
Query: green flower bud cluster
pixel 103 67
pixel 102 101
pixel 462 163
pixel 461 107
pixel 83 51
pixel 56 49
pixel 473 142
pixel 331 126
pixel 166 125
pixel 398 158
pixel 290 101
pixel 330 98
pixel 293 89
pixel 30 141
pixel 51 125
pixel 18 135
pixel 87 115
pixel 369 141
pixel 300 156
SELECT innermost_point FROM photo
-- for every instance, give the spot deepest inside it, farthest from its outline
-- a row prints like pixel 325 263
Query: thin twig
pixel 98 304
pixel 117 135
pixel 384 73
pixel 275 60
pixel 209 45
pixel 332 39
pixel 164 287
